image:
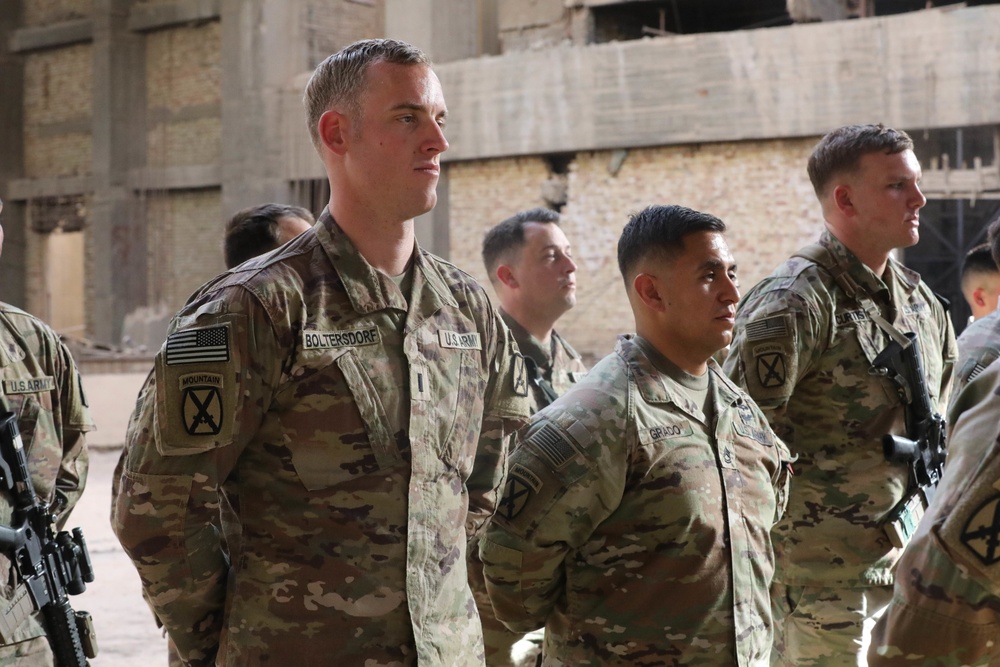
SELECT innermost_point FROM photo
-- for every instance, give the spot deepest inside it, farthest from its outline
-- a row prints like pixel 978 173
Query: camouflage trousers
pixel 824 627
pixel 29 653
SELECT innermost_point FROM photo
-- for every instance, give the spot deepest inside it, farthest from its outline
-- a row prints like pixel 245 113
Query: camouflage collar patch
pixel 460 341
pixel 327 340
pixel 850 316
pixel 981 533
pixel 29 385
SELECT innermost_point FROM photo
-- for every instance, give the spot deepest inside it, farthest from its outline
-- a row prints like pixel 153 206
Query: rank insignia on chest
pixel 981 533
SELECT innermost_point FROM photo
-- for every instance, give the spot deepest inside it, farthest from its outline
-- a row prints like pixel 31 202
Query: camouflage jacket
pixel 560 366
pixel 978 346
pixel 42 386
pixel 946 604
pixel 803 349
pixel 359 439
pixel 630 534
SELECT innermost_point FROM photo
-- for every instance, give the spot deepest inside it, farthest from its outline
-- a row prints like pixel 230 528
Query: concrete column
pixel 261 54
pixel 117 267
pixel 12 266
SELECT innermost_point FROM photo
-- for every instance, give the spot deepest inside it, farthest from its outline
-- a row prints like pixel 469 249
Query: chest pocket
pixel 855 339
pixel 333 420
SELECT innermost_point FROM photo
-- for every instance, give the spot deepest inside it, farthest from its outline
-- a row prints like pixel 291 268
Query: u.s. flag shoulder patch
pixel 198 346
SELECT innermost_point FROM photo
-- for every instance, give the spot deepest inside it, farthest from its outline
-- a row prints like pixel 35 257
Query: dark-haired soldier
pixel 805 341
pixel 636 517
pixel 259 229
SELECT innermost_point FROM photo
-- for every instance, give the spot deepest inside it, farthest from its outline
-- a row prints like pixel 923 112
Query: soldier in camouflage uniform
pixel 804 345
pixel 349 395
pixel 979 344
pixel 635 521
pixel 946 607
pixel 42 386
pixel 528 260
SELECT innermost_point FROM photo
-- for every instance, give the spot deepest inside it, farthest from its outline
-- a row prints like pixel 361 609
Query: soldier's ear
pixel 506 276
pixel 842 200
pixel 647 288
pixel 333 129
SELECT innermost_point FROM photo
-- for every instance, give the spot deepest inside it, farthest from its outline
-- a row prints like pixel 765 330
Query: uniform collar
pixel 527 344
pixel 368 289
pixel 905 278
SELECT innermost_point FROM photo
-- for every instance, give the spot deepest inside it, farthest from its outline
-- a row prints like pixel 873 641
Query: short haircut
pixel 841 150
pixel 978 261
pixel 993 239
pixel 339 81
pixel 507 238
pixel 254 231
pixel 660 230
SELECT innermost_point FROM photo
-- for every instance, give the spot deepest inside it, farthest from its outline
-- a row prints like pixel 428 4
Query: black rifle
pixel 50 566
pixel 923 447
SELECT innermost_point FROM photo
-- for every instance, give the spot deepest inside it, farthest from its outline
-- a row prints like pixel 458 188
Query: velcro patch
pixel 515 496
pixel 769 327
pixel 758 434
pixel 460 341
pixel 328 340
pixel 665 432
pixel 850 316
pixel 519 375
pixel 201 410
pixel 981 533
pixel 199 380
pixel 550 443
pixel 771 367
pixel 196 346
pixel 29 385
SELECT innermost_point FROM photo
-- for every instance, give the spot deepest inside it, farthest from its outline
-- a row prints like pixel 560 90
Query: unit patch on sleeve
pixel 520 376
pixel 197 346
pixel 981 533
pixel 201 403
pixel 29 385
pixel 771 367
pixel 522 484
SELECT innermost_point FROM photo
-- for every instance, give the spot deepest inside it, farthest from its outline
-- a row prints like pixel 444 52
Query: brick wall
pixel 328 26
pixel 43 12
pixel 185 243
pixel 769 214
pixel 57 111
pixel 184 69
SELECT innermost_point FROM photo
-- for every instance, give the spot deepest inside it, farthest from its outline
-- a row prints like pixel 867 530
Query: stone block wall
pixel 769 213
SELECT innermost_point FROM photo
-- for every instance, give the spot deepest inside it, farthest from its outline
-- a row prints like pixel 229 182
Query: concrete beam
pixel 189 177
pixel 13 276
pixel 145 18
pixel 926 69
pixel 51 36
pixel 21 189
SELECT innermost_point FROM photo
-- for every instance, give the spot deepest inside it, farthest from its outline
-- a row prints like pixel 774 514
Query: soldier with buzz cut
pixel 806 341
pixel 349 396
pixel 635 522
pixel 530 264
pixel 946 606
pixel 979 344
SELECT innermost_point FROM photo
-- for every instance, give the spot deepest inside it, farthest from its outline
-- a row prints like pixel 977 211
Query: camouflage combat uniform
pixel 635 528
pixel 946 607
pixel 551 371
pixel 42 386
pixel 978 346
pixel 359 438
pixel 803 349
